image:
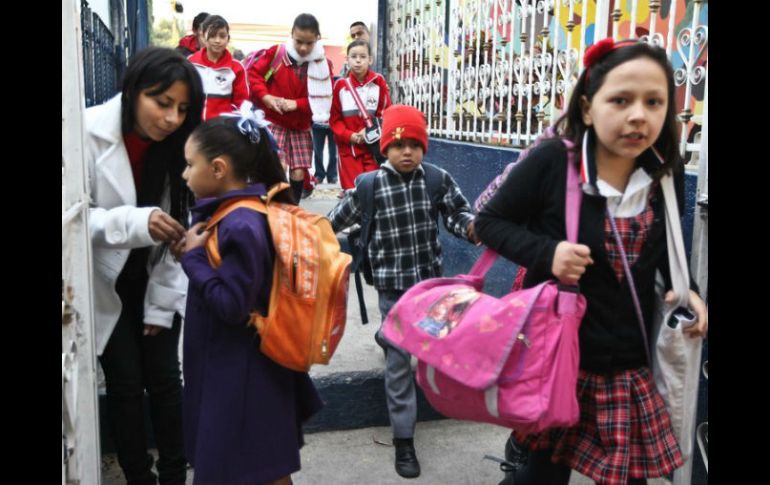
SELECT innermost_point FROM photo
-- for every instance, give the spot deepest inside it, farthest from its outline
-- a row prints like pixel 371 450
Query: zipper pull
pixel 324 348
pixel 523 338
pixel 295 265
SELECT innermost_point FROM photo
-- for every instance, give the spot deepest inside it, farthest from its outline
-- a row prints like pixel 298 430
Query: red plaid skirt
pixel 296 146
pixel 624 430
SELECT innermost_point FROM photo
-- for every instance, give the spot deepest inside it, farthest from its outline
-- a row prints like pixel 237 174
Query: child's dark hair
pixel 571 123
pixel 155 69
pixel 359 43
pixel 213 24
pixel 306 21
pixel 198 20
pixel 251 162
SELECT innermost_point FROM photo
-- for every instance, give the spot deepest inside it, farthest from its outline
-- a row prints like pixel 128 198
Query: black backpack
pixel 358 239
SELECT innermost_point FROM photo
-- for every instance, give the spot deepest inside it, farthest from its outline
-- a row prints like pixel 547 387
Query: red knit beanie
pixel 400 122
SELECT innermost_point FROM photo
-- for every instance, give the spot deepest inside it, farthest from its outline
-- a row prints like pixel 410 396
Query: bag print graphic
pixel 446 312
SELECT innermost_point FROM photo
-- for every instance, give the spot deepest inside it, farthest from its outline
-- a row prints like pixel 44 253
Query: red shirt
pixel 136 147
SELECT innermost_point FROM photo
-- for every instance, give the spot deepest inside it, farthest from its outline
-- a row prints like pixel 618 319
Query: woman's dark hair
pixel 306 21
pixel 155 69
pixel 213 24
pixel 358 43
pixel 251 162
pixel 571 124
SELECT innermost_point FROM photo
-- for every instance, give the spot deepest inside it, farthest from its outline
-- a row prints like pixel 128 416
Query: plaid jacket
pixel 404 248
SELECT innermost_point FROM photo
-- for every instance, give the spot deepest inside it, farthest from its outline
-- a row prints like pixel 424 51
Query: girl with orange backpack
pixel 243 412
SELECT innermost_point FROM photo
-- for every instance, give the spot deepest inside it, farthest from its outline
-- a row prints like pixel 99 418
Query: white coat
pixel 117 226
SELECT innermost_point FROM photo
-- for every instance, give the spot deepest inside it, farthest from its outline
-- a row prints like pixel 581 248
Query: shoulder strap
pixel 275 64
pixel 359 103
pixel 212 244
pixel 677 260
pixel 365 193
pixel 434 179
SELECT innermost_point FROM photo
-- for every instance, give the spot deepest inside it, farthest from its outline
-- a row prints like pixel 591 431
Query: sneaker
pixel 407 465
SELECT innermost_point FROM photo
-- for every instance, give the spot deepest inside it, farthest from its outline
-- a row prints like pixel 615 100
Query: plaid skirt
pixel 295 146
pixel 624 430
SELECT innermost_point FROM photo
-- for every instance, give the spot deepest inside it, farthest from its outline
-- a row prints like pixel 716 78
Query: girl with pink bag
pixel 621 119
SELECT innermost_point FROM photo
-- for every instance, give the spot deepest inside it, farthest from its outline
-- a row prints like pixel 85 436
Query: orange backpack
pixel 308 302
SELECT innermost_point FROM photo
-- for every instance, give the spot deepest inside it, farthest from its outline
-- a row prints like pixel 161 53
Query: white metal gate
pixel 80 439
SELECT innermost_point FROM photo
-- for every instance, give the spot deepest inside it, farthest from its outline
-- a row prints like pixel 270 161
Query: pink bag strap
pixel 574 196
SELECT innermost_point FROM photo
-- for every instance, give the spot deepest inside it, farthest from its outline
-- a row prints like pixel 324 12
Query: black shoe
pixel 330 180
pixel 406 459
pixel 516 458
pixel 306 193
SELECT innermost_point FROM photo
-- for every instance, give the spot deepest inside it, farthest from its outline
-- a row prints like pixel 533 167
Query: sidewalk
pixel 450 453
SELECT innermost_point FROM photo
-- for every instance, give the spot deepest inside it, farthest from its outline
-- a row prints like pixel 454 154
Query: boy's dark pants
pixel 399 380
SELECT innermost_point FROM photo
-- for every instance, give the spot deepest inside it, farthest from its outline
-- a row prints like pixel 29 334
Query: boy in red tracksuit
pixel 346 121
pixel 224 79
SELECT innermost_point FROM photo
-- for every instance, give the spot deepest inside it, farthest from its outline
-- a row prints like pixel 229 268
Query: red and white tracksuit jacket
pixel 224 83
pixel 345 120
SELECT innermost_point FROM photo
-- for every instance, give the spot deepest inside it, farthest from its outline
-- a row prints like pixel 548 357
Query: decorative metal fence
pixel 500 71
pixel 103 59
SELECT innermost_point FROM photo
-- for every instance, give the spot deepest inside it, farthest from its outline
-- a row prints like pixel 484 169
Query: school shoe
pixel 331 180
pixel 406 459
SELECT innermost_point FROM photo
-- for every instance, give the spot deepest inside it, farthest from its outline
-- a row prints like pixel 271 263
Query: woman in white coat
pixel 135 151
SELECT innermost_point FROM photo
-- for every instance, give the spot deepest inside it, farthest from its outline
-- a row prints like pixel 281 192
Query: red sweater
pixel 224 83
pixel 285 84
pixel 189 43
pixel 345 119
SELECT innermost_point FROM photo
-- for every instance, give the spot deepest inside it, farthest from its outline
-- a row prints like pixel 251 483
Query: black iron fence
pixel 104 59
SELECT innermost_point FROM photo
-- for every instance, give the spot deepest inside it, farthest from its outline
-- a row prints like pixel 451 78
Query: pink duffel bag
pixel 511 361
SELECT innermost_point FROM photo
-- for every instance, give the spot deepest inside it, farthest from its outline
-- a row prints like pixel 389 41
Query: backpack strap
pixel 275 64
pixel 212 244
pixel 365 192
pixel 434 178
pixel 359 240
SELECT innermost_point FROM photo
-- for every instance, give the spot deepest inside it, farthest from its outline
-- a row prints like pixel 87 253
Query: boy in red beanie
pixel 403 246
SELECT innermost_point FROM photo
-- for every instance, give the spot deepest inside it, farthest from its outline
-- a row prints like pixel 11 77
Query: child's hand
pixel 357 138
pixel 274 103
pixel 472 234
pixel 289 105
pixel 178 249
pixel 151 330
pixel 700 329
pixel 570 261
pixel 196 236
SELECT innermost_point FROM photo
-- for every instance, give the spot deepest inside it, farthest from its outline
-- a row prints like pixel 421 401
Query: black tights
pixel 539 470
